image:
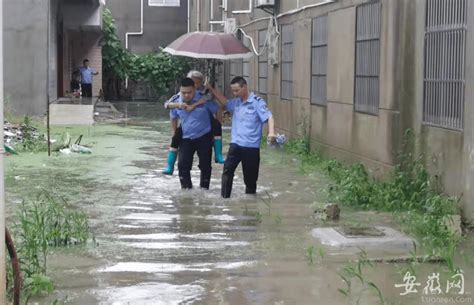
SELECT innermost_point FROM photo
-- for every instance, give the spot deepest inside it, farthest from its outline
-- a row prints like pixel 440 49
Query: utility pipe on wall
pixel 3 298
pixel 198 15
pixel 134 34
pixel 189 16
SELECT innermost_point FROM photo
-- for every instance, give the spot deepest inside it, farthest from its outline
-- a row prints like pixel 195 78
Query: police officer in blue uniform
pixel 176 140
pixel 197 136
pixel 249 114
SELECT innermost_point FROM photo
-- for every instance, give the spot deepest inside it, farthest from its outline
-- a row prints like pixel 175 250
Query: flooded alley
pixel 155 244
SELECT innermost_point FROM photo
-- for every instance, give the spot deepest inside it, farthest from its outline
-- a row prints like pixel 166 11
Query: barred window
pixel 286 61
pixel 445 53
pixel 366 93
pixel 319 61
pixel 262 63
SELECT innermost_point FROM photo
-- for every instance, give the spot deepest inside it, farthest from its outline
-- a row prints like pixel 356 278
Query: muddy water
pixel 156 244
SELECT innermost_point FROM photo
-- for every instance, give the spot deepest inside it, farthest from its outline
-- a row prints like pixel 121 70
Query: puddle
pixel 159 245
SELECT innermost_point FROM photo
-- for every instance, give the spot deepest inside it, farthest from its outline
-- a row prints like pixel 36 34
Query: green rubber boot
pixel 172 156
pixel 218 151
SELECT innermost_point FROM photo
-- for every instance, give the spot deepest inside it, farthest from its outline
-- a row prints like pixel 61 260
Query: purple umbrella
pixel 211 45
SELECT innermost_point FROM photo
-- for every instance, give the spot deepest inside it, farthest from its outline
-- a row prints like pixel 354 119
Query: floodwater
pixel 156 244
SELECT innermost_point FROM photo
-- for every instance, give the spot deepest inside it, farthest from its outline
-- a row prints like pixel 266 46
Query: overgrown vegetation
pixel 40 224
pixel 355 270
pixel 158 69
pixel 31 140
pixel 410 193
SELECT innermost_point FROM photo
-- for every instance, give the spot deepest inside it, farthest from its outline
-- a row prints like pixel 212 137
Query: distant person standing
pixel 86 78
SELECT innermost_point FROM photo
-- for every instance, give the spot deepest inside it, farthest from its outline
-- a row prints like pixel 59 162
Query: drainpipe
pixel 3 299
pixel 211 16
pixel 198 19
pixel 189 16
pixel 134 34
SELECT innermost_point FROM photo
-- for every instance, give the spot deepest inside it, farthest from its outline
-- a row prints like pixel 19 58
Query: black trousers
pixel 216 130
pixel 86 90
pixel 250 158
pixel 203 147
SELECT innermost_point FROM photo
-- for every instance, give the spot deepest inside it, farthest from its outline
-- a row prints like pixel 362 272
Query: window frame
pixel 163 4
pixel 319 45
pixel 283 62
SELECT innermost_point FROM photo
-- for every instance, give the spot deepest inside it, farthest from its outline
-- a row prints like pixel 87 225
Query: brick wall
pixel 78 47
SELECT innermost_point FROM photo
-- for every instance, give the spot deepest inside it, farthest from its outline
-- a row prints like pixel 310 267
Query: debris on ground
pixel 330 211
pixel 17 133
pixel 23 137
pixel 68 148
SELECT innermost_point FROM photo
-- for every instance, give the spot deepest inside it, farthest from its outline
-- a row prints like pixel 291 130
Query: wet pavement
pixel 156 244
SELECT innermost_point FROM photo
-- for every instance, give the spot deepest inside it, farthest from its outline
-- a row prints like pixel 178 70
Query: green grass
pixel 410 193
pixel 40 224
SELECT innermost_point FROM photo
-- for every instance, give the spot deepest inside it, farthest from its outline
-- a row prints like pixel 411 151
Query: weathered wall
pixel 340 132
pixel 25 55
pixel 468 145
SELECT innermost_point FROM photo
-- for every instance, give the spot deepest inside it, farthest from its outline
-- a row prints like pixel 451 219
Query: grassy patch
pixel 40 224
pixel 410 193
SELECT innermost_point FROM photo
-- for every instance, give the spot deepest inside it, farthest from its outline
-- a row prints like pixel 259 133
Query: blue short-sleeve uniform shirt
pixel 86 75
pixel 247 120
pixel 196 123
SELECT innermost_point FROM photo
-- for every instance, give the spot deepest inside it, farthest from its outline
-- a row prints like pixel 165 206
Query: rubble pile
pixel 17 133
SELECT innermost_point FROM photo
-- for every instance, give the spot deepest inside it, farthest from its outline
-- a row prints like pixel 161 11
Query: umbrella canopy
pixel 210 45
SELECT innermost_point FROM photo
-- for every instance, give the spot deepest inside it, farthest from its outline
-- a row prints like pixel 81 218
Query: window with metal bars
pixel 319 61
pixel 445 53
pixel 367 87
pixel 262 63
pixel 286 62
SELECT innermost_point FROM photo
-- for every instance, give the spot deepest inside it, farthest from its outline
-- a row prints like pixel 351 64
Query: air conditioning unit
pixel 265 3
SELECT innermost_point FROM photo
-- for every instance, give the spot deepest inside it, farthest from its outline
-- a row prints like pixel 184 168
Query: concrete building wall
pixel 76 15
pixel 467 182
pixel 32 61
pixel 25 55
pixel 161 25
pixel 336 128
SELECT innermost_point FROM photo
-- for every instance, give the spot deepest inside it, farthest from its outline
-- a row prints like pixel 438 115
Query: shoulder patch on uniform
pixel 174 97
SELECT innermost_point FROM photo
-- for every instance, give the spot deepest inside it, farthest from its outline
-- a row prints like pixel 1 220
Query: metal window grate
pixel 366 95
pixel 286 61
pixel 319 61
pixel 445 53
pixel 262 63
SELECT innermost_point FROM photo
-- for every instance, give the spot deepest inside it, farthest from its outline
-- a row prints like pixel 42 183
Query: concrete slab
pixel 391 239
pixel 64 114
